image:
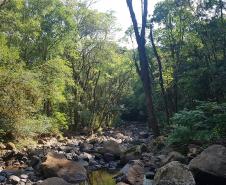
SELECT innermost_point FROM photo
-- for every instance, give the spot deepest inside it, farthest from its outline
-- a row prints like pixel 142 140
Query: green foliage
pixel 60 120
pixel 134 104
pixel 205 123
pixel 34 126
pixel 59 68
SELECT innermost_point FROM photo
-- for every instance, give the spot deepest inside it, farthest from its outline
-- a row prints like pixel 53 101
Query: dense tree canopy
pixel 186 50
pixel 61 68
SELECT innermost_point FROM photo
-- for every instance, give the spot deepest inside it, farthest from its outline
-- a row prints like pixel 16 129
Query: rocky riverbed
pixel 126 155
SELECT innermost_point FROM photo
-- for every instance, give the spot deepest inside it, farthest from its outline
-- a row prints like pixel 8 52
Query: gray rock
pixel 54 181
pixel 14 179
pixel 93 162
pixel 112 147
pixel 112 165
pixel 23 180
pixel 29 169
pixel 133 172
pixel 211 161
pixel 22 183
pixel 35 161
pixel 108 157
pixel 174 173
pixel 83 163
pixel 71 156
pixel 2 178
pixel 86 156
pixel 174 156
pixel 57 165
pixel 23 176
pixel 130 154
pixel 66 149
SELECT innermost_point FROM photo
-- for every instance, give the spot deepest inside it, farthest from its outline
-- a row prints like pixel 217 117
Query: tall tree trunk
pixel 48 108
pixel 144 65
pixel 161 81
pixel 175 57
pixel 221 4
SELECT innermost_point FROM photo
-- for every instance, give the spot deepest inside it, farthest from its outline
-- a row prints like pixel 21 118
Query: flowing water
pixel 101 177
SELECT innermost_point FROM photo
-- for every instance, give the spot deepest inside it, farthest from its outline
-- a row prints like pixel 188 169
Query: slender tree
pixel 144 65
pixel 161 80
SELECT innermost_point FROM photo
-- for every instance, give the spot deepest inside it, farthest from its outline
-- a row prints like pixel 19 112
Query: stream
pixel 101 177
pixel 104 177
pixel 100 155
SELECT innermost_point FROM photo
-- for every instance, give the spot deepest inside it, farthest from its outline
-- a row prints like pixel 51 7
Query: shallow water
pixel 101 177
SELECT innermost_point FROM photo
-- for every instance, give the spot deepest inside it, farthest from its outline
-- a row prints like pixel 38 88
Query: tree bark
pixel 144 65
pixel 48 108
pixel 161 80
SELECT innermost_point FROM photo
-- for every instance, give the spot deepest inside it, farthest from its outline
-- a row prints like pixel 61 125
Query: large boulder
pixel 57 165
pixel 54 181
pixel 174 156
pixel 133 173
pixel 111 147
pixel 174 173
pixel 211 161
pixel 193 150
pixel 130 154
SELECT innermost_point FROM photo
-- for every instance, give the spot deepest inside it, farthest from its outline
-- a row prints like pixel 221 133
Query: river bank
pixel 125 155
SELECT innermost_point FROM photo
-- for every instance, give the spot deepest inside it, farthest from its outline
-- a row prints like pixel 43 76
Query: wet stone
pixel 149 175
pixel 2 178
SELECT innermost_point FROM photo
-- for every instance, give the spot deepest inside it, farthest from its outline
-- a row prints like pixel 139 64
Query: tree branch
pixel 144 20
pixel 134 20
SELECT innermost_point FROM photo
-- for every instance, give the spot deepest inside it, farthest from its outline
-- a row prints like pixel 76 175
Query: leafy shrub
pixel 60 120
pixel 181 134
pixel 21 102
pixel 20 97
pixel 206 122
pixel 32 127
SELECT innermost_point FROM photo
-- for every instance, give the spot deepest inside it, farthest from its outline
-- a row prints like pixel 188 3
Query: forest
pixel 65 79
